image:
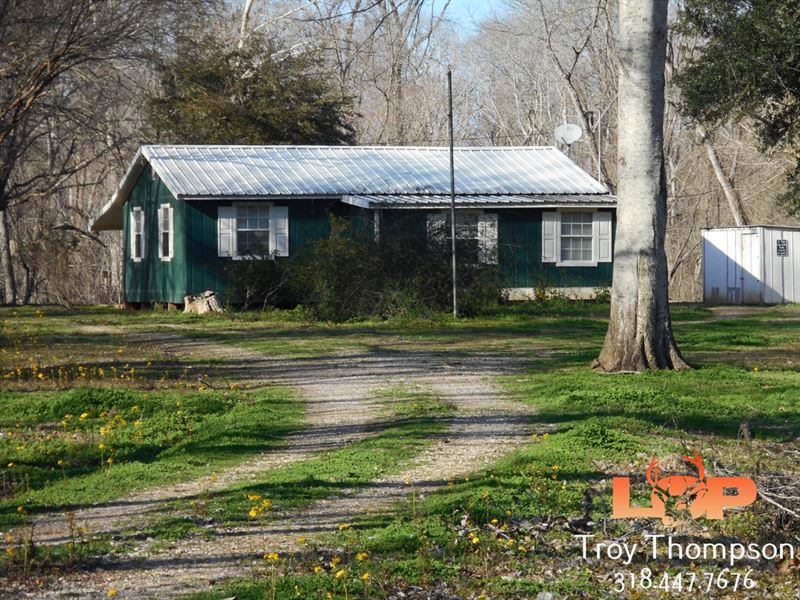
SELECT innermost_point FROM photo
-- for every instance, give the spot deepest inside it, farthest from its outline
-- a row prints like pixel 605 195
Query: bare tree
pixel 639 335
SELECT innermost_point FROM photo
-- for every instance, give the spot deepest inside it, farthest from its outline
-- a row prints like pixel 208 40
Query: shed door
pixel 751 268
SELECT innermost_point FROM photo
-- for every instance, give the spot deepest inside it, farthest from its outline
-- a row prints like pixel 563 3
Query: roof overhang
pixel 109 218
pixel 406 201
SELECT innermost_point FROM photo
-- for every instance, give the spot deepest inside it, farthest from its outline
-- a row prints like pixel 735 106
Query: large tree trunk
pixel 7 267
pixel 639 334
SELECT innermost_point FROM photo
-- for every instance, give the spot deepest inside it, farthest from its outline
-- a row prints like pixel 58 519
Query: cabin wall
pixel 519 239
pixel 520 259
pixel 309 220
pixel 153 279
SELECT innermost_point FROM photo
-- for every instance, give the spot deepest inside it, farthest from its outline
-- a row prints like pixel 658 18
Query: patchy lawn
pixel 507 532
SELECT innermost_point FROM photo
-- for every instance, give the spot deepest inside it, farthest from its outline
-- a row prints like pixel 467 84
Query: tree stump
pixel 202 303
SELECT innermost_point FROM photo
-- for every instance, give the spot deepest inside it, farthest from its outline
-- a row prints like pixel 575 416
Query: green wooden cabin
pixel 186 211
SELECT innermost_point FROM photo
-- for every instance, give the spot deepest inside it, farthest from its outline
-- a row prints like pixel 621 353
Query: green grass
pixel 589 427
pixel 52 446
pixel 416 420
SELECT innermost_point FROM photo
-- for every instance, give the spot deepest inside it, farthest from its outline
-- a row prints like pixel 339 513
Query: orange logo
pixel 701 495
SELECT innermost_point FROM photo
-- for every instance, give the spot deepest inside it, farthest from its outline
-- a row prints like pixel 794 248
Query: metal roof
pixel 477 201
pixel 197 172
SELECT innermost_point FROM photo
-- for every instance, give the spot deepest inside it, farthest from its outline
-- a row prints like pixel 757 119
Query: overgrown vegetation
pixel 351 275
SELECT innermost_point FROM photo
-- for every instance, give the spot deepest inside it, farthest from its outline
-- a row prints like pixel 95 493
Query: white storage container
pixel 751 265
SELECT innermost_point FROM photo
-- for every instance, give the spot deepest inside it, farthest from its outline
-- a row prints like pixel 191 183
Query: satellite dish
pixel 568 133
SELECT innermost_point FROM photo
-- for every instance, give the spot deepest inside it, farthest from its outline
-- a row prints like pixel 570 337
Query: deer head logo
pixel 700 495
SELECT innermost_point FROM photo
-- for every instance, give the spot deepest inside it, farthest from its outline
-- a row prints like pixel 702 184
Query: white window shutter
pixel 171 232
pixel 226 230
pixel 487 238
pixel 132 221
pixel 279 230
pixel 162 227
pixel 437 227
pixel 602 236
pixel 550 238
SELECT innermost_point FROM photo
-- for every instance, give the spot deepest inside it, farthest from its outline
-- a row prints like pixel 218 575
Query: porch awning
pixel 478 201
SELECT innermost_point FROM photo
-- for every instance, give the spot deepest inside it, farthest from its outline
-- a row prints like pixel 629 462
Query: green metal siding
pixel 153 279
pixel 196 267
pixel 309 220
pixel 520 255
pixel 519 238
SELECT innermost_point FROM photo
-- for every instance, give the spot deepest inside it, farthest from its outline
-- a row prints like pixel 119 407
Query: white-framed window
pixel 137 234
pixel 576 237
pixel 476 232
pixel 252 229
pixel 165 232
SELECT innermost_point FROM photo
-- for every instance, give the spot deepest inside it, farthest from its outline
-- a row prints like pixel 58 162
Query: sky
pixel 469 13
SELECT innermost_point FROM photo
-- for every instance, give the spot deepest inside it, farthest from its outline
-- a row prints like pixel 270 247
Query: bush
pixel 258 281
pixel 348 275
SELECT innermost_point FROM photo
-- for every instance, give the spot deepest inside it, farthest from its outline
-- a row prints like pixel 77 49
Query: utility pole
pixel 452 189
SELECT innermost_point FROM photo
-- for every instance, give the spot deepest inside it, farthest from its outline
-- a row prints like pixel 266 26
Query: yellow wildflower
pixel 301 540
pixel 109 460
pixel 344 526
pixel 272 557
pixel 21 509
pixel 253 497
pixel 361 556
pixel 11 464
pixel 341 573
pixel 253 513
pixel 84 416
pixel 318 569
pixel 366 577
pixel 476 539
pixel 111 593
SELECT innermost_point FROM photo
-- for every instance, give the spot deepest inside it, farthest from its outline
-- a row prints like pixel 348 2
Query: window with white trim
pixel 165 232
pixel 576 236
pixel 137 234
pixel 252 230
pixel 476 234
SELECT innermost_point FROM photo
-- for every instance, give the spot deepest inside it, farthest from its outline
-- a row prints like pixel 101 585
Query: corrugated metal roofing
pixel 476 201
pixel 337 170
pixel 291 171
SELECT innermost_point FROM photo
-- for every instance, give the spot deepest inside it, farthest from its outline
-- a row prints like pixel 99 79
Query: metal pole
pixel 452 189
pixel 599 141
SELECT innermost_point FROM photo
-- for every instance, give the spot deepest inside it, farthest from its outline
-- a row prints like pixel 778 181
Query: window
pixel 137 234
pixel 476 234
pixel 576 236
pixel 252 230
pixel 165 233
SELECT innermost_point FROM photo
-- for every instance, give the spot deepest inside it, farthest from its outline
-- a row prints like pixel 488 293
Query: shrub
pixel 350 275
pixel 258 281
